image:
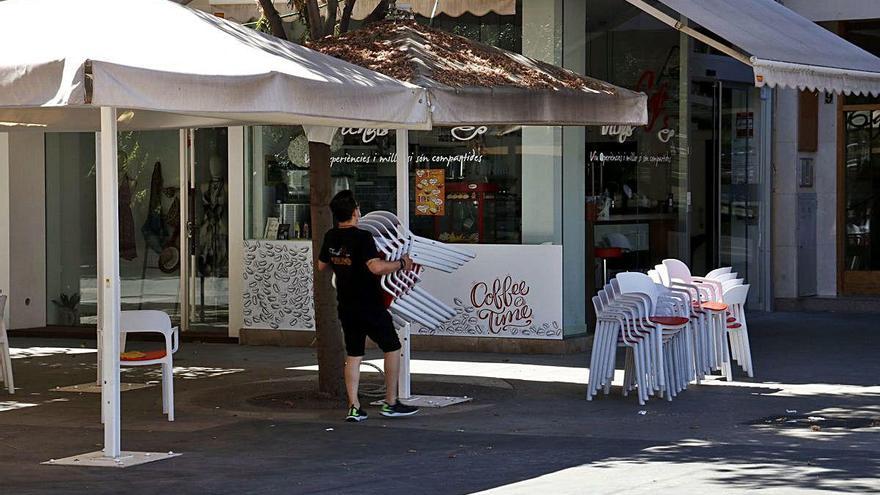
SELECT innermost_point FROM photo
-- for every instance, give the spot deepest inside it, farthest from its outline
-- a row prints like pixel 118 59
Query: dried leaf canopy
pixel 426 56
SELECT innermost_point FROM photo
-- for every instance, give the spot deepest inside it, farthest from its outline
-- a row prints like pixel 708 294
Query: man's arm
pixel 379 266
pixel 322 266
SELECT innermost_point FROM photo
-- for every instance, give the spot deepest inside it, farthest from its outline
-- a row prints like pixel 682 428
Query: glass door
pixel 727 175
pixel 860 174
pixel 205 277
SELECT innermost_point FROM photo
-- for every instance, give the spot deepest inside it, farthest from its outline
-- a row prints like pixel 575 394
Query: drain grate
pixel 801 421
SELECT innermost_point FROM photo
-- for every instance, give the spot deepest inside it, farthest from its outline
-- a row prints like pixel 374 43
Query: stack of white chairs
pixel 409 302
pixel 650 321
pixel 676 328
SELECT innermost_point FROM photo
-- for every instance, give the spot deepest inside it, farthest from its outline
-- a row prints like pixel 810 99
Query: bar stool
pixel 606 253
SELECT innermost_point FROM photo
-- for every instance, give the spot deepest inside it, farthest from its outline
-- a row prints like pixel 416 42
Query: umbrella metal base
pixel 97 459
pixel 94 388
pixel 429 401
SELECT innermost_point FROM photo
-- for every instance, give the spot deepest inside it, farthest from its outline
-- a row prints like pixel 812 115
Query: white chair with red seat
pixel 737 328
pixel 5 357
pixel 151 321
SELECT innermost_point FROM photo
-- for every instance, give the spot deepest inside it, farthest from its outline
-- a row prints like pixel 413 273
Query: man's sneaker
pixel 356 415
pixel 397 410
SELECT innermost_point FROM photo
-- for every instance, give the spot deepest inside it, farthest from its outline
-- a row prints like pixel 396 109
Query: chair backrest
pixel 736 295
pixel 731 283
pixel 677 270
pixel 638 282
pixel 664 274
pixel 2 305
pixel 655 276
pixel 724 277
pixel 144 320
pixel 719 271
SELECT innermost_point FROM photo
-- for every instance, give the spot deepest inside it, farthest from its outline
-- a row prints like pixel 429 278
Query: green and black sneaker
pixel 356 415
pixel 398 410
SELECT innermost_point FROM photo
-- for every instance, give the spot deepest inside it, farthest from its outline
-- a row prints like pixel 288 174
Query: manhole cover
pixel 802 421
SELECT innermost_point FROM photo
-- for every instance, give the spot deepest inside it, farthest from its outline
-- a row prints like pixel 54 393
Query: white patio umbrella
pixel 84 69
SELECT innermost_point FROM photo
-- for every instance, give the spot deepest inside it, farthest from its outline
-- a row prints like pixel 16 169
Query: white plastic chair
pixel 737 328
pixel 719 271
pixel 151 321
pixel 5 357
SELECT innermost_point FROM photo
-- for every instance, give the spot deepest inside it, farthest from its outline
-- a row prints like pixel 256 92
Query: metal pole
pixel 108 280
pixel 403 381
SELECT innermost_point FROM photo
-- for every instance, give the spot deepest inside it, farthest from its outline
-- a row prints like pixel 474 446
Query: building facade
pixel 214 222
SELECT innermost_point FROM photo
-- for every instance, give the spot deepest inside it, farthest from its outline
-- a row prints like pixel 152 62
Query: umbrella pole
pixel 99 245
pixel 403 380
pixel 108 281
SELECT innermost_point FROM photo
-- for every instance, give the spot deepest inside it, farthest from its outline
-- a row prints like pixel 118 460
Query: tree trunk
pixel 346 16
pixel 379 13
pixel 271 13
pixel 331 355
pixel 330 21
pixel 316 27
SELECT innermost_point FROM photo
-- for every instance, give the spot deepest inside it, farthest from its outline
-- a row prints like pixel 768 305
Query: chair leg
pixel 168 389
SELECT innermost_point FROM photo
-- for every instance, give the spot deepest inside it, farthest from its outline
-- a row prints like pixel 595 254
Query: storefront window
pixel 636 175
pixel 467 185
pixel 362 160
pixel 149 224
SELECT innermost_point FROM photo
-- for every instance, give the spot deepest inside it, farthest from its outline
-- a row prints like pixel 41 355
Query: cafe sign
pixel 506 292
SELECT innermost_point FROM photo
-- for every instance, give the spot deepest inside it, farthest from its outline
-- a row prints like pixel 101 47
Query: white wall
pixel 825 165
pixel 835 10
pixel 785 186
pixel 26 203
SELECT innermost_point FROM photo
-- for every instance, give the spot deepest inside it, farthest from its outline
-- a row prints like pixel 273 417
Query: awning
pixel 472 83
pixel 196 70
pixel 783 48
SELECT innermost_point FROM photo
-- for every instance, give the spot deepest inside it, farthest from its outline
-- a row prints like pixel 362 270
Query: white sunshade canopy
pixel 784 48
pixel 178 67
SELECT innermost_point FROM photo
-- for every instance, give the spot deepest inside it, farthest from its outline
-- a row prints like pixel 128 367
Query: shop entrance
pixel 204 274
pixel 727 181
pixel 859 176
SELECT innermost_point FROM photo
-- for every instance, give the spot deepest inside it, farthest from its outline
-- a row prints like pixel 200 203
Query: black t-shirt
pixel 348 250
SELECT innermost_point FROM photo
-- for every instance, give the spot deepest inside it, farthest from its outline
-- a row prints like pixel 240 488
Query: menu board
pixel 431 192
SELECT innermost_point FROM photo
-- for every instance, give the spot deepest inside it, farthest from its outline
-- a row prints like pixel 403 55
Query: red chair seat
pixel 731 319
pixel 142 355
pixel 714 306
pixel 734 326
pixel 672 321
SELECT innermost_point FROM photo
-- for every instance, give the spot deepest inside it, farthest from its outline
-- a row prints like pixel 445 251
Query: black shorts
pixel 375 324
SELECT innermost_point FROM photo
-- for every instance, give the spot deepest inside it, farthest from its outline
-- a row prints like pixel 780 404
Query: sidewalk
pixel 528 430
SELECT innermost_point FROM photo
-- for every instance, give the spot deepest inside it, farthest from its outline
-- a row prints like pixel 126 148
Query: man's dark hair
pixel 343 205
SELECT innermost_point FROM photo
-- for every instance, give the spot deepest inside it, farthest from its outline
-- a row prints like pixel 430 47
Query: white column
pixel 4 218
pixel 403 382
pixel 236 228
pixel 108 280
pixel 574 253
pixel 542 146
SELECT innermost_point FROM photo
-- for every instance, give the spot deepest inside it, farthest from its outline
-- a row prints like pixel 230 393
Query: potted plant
pixel 68 308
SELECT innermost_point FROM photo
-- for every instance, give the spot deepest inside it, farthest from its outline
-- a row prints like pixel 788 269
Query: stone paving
pixel 527 431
